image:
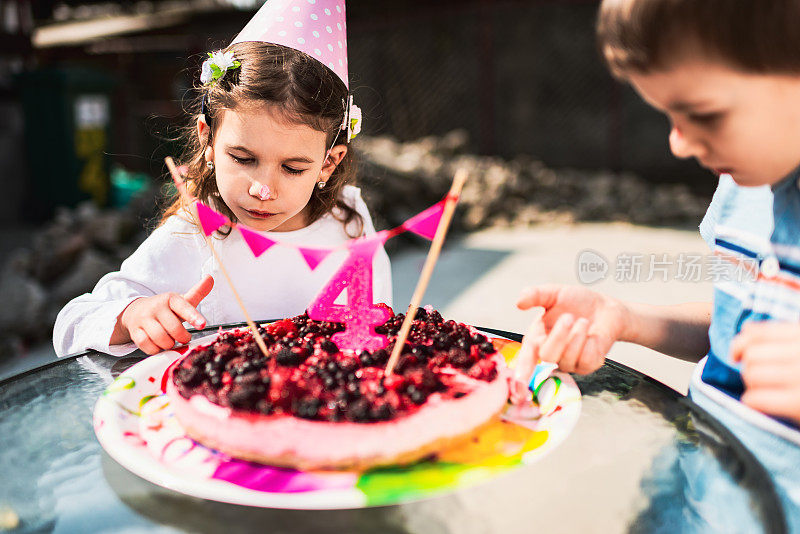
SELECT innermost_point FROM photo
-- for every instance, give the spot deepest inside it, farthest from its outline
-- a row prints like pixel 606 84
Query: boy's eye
pixel 241 160
pixel 292 170
pixel 704 118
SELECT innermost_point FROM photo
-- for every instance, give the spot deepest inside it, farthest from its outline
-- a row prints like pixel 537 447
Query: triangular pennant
pixel 210 220
pixel 314 256
pixel 258 243
pixel 425 223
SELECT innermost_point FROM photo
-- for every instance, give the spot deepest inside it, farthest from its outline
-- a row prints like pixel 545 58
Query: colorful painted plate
pixel 135 425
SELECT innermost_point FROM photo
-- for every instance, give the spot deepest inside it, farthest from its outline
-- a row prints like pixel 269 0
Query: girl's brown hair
pixel 757 36
pixel 304 90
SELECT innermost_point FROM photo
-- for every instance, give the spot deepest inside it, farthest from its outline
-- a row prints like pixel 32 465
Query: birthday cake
pixel 309 405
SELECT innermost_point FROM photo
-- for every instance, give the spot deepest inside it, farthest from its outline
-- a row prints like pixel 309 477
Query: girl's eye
pixel 292 170
pixel 240 160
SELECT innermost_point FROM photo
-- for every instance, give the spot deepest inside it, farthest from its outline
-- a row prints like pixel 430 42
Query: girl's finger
pixel 575 342
pixel 158 335
pixel 186 311
pixel 553 347
pixel 780 402
pixel 173 325
pixel 141 340
pixel 200 290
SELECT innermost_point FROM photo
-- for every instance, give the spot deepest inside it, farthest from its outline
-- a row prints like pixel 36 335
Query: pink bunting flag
pixel 360 315
pixel 425 223
pixel 210 220
pixel 314 256
pixel 258 243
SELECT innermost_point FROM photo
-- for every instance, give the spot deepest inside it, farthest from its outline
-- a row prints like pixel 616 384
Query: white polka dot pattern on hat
pixel 315 27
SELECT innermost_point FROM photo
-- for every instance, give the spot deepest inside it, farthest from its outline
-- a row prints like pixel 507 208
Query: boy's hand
pixel 577 328
pixel 770 356
pixel 156 323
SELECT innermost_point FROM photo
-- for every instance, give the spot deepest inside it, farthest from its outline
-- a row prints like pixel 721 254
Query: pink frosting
pixel 325 442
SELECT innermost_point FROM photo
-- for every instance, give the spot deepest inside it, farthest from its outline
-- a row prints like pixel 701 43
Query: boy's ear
pixel 335 156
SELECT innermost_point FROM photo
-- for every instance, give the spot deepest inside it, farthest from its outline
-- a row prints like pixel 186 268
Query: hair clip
pixel 352 119
pixel 217 64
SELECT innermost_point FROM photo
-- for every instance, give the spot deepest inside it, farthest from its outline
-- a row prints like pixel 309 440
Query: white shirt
pixel 175 257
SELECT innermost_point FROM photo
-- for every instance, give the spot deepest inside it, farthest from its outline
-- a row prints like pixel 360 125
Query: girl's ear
pixel 203 129
pixel 335 156
pixel 203 133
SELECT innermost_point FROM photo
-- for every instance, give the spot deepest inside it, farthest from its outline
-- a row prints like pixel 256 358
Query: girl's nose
pixel 261 191
pixel 685 147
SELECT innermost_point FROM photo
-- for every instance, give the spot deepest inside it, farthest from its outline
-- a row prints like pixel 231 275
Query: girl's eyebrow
pixel 300 159
pixel 239 147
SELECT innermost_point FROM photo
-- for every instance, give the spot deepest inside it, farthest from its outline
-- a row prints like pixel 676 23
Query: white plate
pixel 135 425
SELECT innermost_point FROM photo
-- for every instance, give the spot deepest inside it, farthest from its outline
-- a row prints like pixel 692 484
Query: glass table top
pixel 641 458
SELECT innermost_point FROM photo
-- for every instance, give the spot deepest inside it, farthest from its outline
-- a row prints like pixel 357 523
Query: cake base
pixel 351 464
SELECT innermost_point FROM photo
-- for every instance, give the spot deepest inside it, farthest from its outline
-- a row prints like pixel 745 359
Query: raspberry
pixel 393 382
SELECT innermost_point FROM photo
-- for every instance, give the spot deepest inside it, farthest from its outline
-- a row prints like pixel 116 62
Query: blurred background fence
pixel 90 86
pixel 92 94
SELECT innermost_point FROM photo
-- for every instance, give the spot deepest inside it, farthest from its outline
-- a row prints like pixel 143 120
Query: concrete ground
pixel 478 278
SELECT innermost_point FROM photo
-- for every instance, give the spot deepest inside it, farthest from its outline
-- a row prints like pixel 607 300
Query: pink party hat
pixel 316 27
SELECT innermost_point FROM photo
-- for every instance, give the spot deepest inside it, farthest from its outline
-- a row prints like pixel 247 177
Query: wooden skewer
pixel 185 194
pixel 427 269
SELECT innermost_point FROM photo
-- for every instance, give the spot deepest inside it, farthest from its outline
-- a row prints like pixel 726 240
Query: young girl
pixel 269 152
pixel 727 75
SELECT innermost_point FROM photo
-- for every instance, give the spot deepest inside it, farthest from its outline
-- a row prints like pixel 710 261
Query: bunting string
pixel 360 315
pixel 423 224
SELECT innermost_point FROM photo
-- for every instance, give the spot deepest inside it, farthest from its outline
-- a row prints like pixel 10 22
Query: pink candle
pixel 360 315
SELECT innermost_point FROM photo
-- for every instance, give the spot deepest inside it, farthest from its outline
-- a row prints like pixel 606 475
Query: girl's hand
pixel 770 356
pixel 575 330
pixel 156 323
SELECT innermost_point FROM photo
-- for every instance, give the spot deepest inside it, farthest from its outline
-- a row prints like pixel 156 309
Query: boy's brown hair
pixel 304 90
pixel 641 36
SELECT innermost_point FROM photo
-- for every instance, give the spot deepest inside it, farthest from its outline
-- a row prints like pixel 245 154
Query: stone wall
pixel 400 179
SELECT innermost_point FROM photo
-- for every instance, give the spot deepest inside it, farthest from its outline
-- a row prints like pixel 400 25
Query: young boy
pixel 727 75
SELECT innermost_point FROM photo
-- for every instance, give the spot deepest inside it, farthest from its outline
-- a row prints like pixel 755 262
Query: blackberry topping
pixel 245 397
pixel 380 357
pixel 307 408
pixel 353 390
pixel 381 412
pixel 358 411
pixel 307 376
pixel 288 357
pixel 189 377
pixel 329 347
